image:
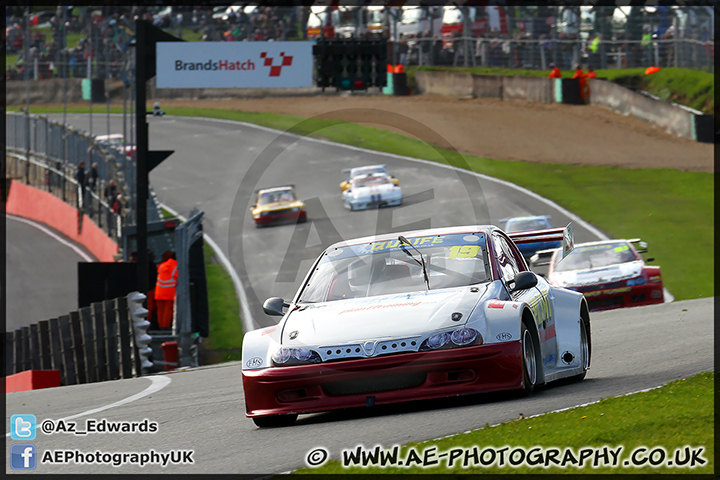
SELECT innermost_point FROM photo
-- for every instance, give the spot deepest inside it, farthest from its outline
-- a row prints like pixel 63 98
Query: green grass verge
pixel 670 209
pixel 674 416
pixel 226 332
pixel 687 87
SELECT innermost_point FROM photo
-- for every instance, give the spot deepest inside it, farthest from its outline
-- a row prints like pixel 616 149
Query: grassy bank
pixel 670 209
pixel 687 87
pixel 675 416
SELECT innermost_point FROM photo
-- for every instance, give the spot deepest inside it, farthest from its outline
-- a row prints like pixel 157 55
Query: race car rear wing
pixel 641 247
pixel 565 235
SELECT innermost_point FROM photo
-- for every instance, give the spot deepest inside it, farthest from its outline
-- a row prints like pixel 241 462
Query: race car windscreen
pixel 526 225
pixel 595 256
pixel 276 196
pixel 384 268
pixel 372 181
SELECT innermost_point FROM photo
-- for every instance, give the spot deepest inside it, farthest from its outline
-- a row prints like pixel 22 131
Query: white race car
pixel 372 190
pixel 425 314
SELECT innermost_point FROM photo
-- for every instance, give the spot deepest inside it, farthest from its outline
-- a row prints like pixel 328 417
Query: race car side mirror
pixel 524 280
pixel 252 207
pixel 274 306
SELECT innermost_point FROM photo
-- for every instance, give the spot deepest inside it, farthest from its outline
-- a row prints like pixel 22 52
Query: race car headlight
pixel 636 281
pixel 461 337
pixel 464 336
pixel 263 214
pixel 296 209
pixel 295 356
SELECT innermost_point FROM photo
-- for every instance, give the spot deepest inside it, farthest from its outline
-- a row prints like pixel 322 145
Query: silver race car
pixel 425 314
pixel 371 191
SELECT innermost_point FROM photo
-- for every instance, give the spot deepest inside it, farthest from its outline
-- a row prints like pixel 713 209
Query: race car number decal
pixel 496 304
pixel 464 251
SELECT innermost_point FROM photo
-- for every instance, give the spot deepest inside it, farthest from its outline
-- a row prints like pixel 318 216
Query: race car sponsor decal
pixel 655 278
pixel 503 336
pixel 550 359
pixel 254 362
pixel 496 304
pixel 268 330
pixel 547 333
pixel 610 291
pixel 376 307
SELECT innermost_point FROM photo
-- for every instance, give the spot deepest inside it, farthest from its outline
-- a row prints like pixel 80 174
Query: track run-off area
pixel 216 167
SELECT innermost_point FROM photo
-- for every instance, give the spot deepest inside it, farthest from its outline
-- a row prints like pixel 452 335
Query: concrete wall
pixel 35 204
pixel 666 116
pixel 487 86
pixel 530 89
pixel 455 84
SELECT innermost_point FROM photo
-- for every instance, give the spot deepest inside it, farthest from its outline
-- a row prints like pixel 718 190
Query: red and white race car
pixel 425 314
pixel 610 273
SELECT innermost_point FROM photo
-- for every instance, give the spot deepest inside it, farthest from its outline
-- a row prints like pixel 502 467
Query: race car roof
pixel 275 189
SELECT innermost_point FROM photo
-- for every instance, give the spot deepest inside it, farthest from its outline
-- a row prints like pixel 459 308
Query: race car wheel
pixel 529 360
pixel 274 421
pixel 584 350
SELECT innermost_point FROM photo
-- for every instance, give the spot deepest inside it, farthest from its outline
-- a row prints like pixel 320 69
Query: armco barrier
pixel 666 116
pixel 29 202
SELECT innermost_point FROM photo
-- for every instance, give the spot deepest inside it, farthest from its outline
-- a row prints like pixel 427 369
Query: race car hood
pixel 593 276
pixel 388 316
pixel 270 207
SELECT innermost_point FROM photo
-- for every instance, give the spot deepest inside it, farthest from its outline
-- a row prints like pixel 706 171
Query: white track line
pixel 158 383
pixel 46 230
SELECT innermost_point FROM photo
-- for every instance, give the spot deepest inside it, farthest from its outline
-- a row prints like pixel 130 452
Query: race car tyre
pixel 529 360
pixel 274 421
pixel 585 350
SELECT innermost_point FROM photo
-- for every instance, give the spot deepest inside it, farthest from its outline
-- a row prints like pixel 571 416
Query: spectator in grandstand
pixel 92 180
pixel 167 277
pixel 81 178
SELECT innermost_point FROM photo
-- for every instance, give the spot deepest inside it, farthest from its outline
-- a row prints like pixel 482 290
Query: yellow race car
pixel 362 171
pixel 277 205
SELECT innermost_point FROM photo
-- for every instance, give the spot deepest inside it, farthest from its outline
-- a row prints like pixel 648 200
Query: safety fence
pixel 105 341
pixel 565 54
pixel 46 154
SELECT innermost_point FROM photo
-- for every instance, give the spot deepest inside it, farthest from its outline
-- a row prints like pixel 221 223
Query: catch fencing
pixel 93 344
pixel 565 54
pixel 46 154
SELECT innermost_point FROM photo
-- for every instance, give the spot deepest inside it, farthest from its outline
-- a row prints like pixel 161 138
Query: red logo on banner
pixel 275 69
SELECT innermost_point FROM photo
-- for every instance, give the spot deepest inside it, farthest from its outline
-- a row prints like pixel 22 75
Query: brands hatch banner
pixel 234 64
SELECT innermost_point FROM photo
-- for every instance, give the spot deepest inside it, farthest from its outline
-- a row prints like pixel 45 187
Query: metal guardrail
pixel 46 154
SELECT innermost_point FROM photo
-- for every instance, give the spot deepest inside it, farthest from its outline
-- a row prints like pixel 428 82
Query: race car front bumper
pixel 280 217
pixel 382 380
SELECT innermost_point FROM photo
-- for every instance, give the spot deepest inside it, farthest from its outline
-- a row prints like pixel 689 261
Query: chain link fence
pixel 565 54
pixel 46 154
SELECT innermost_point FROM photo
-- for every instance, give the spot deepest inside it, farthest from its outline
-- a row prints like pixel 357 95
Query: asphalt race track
pixel 217 166
pixel 203 409
pixel 31 248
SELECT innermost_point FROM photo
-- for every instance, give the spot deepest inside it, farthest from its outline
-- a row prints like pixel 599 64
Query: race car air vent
pixel 375 384
pixel 372 348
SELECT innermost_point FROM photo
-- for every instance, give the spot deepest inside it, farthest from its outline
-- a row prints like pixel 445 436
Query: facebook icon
pixel 23 456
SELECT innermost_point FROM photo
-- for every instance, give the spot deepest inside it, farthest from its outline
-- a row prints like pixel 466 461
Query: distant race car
pixel 277 205
pixel 425 314
pixel 117 141
pixel 611 274
pixel 362 171
pixel 371 191
pixel 524 224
